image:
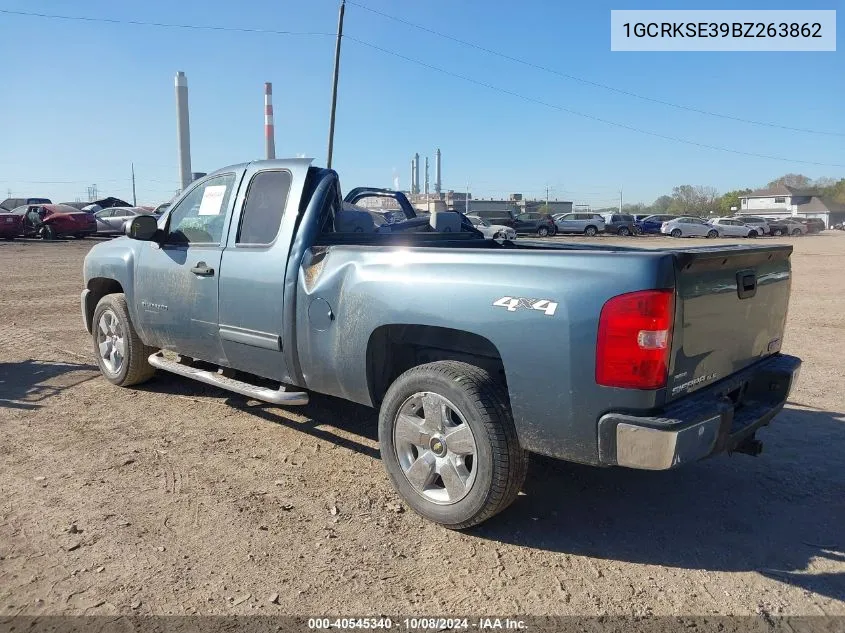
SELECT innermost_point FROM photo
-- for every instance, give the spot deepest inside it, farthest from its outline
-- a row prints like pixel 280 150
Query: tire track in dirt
pixel 190 498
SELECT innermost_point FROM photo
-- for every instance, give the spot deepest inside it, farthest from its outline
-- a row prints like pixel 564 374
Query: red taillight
pixel 634 340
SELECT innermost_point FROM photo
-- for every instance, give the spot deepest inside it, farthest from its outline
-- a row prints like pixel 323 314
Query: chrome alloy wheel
pixel 111 342
pixel 435 448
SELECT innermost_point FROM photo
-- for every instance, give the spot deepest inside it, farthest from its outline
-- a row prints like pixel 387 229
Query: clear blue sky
pixel 81 99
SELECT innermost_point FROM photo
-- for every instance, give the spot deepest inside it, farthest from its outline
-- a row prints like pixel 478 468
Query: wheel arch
pixel 393 349
pixel 98 287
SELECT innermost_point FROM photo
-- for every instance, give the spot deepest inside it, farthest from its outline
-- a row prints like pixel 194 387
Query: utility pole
pixel 466 201
pixel 547 198
pixel 134 200
pixel 334 81
pixel 620 199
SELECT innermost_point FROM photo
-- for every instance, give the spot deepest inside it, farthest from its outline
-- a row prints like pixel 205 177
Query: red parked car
pixel 49 221
pixel 11 225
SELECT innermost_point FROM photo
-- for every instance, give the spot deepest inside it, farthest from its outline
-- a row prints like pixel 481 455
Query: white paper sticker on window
pixel 212 200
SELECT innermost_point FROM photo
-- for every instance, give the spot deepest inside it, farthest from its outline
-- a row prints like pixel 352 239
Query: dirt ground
pixel 179 498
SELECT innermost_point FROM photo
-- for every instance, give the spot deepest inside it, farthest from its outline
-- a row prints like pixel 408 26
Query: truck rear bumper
pixel 710 421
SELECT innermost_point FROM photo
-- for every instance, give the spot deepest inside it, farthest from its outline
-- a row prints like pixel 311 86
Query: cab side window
pixel 265 204
pixel 199 217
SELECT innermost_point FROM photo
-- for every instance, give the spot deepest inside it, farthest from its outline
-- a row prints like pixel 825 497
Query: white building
pixel 782 201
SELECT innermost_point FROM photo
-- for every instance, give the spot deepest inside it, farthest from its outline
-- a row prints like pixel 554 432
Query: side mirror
pixel 142 227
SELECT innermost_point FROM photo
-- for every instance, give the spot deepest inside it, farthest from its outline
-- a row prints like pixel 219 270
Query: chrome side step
pixel 280 396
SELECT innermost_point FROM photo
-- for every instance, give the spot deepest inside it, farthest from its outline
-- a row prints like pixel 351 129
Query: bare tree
pixel 799 181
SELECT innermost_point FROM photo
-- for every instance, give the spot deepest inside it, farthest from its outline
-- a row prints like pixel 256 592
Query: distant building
pixel 783 201
pixel 457 201
pixel 518 204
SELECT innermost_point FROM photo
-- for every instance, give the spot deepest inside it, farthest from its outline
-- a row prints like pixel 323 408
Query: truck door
pixel 176 282
pixel 254 264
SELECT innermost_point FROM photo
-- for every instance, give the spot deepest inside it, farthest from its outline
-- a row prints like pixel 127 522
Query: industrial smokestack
pixel 183 129
pixel 437 182
pixel 413 167
pixel 269 128
pixel 417 173
pixel 426 175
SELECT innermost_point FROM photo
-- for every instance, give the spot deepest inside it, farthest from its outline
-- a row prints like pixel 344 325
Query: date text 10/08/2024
pixel 418 624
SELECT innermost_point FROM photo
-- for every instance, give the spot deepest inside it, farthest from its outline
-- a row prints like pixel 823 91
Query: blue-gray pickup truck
pixel 263 280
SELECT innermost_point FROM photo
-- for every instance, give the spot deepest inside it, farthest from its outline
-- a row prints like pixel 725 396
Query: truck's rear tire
pixel 449 444
pixel 121 354
pixel 590 231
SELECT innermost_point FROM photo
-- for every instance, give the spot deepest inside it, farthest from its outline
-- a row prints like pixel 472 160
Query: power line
pixel 589 82
pixel 584 114
pixel 441 70
pixel 59 182
pixel 201 27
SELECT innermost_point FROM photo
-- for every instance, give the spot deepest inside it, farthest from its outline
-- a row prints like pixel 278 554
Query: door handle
pixel 202 270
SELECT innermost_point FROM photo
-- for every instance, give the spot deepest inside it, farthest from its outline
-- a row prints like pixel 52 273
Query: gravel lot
pixel 180 498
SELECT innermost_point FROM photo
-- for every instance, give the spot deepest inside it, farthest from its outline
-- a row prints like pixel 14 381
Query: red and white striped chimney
pixel 269 129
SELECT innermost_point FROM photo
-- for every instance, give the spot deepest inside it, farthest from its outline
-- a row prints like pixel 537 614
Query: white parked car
pixel 761 225
pixel 492 231
pixel 731 227
pixel 687 226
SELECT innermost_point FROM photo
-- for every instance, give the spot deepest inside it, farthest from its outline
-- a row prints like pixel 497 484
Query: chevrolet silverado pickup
pixel 263 280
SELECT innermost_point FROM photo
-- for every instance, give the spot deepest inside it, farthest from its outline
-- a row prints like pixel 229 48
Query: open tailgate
pixel 731 312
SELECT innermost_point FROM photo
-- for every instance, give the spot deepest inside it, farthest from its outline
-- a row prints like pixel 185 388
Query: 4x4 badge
pixel 513 304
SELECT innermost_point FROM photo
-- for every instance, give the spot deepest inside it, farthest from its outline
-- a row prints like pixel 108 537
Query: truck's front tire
pixel 449 444
pixel 121 354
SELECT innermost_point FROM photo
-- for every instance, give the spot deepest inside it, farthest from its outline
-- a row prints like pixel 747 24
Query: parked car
pixel 651 224
pixel 786 226
pixel 505 217
pixel 638 219
pixel 654 364
pixel 619 224
pixel 11 224
pixel 688 226
pixel 731 227
pixel 761 225
pixel 587 223
pixel 111 221
pixel 162 208
pixel 10 204
pixel 49 221
pixel 96 205
pixel 814 225
pixel 492 231
pixel 531 222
